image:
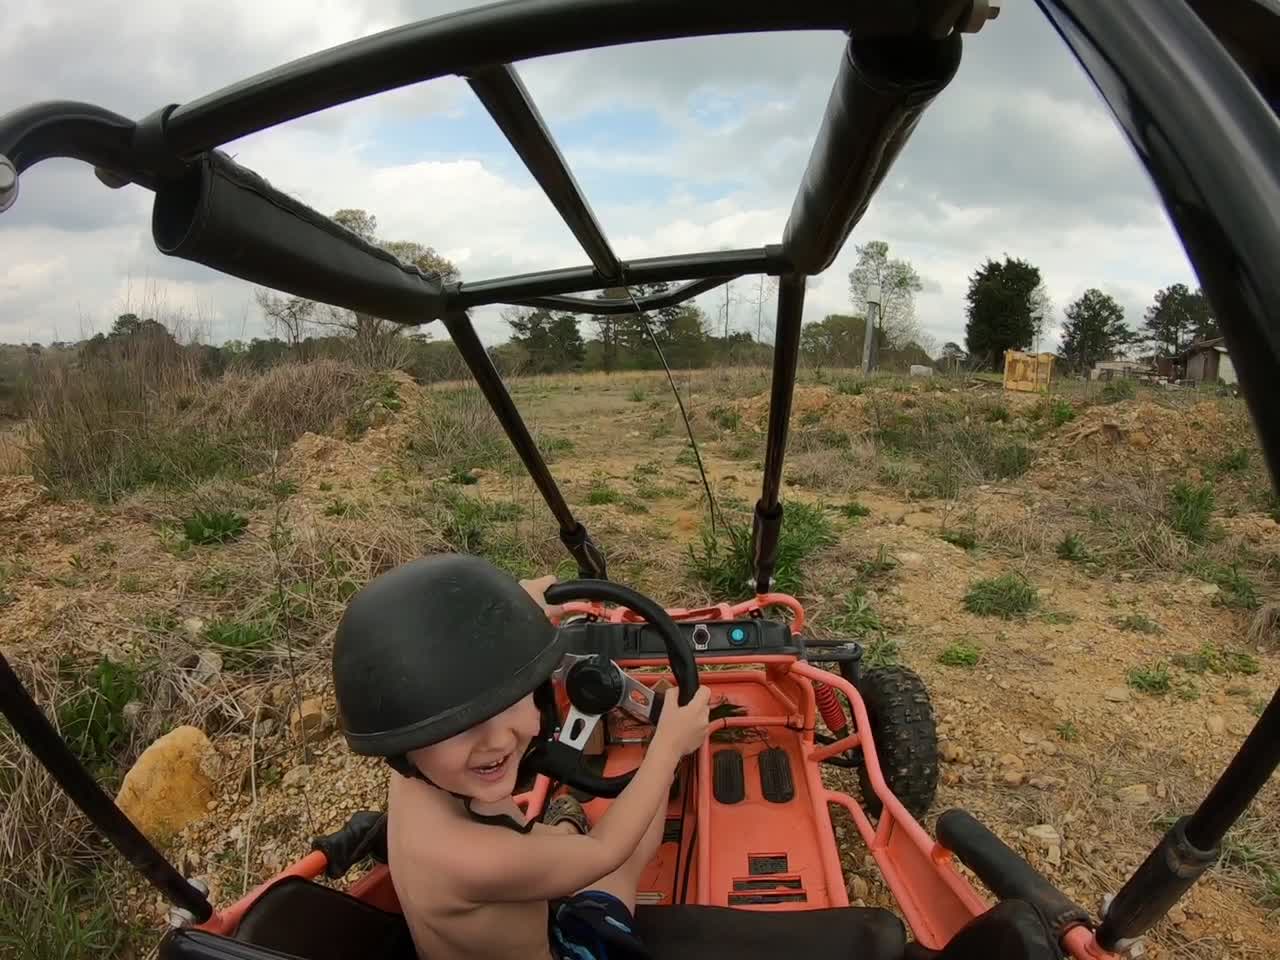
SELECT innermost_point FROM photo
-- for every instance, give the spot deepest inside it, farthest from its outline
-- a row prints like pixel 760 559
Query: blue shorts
pixel 593 925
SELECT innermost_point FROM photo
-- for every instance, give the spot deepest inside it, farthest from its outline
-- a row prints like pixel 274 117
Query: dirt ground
pixel 1043 730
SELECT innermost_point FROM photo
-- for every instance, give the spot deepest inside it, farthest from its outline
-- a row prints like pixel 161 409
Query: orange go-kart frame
pixel 935 899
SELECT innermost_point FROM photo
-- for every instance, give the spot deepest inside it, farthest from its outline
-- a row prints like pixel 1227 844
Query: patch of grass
pixel 636 395
pixel 1233 462
pixel 964 539
pixel 601 493
pixel 553 447
pixel 810 418
pixel 105 547
pixel 1058 411
pixel 1011 460
pixel 1218 660
pixel 1137 623
pixel 722 562
pixel 882 563
pixel 283 489
pixel 686 457
pixel 849 387
pixel 858 618
pixel 91 720
pixel 745 449
pixel 1113 391
pixel 1071 547
pixel 853 510
pixel 130 583
pixel 645 471
pixel 1008 595
pixel 725 418
pixel 1151 678
pixel 1067 731
pixel 1235 590
pixel 633 505
pixel 242 643
pixel 324 486
pixel 338 507
pixel 214 526
pixel 1058 617
pixel 457 432
pixel 60 914
pixel 1191 509
pixel 997 414
pixel 881 651
pixel 960 654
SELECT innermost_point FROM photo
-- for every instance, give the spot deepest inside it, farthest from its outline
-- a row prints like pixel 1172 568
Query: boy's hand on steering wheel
pixel 684 728
pixel 537 589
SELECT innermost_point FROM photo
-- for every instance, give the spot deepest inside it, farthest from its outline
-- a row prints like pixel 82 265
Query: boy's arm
pixel 503 866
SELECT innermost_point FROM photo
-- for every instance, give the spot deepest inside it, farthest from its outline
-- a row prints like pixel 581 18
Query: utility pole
pixel 869 328
pixel 760 310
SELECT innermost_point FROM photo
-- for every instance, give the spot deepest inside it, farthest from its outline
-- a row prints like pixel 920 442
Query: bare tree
pixel 287 317
pixel 899 283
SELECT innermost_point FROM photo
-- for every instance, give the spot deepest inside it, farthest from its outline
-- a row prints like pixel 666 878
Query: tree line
pixel 1006 308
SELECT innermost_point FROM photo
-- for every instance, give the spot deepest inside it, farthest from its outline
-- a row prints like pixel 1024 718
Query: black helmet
pixel 433 648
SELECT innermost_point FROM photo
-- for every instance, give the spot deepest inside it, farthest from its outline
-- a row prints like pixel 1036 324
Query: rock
pixel 130 713
pixel 909 559
pixel 1176 915
pixel 265 727
pixel 208 667
pixel 1011 760
pixel 1054 855
pixel 1116 694
pixel 193 627
pixel 1136 794
pixel 858 888
pixel 1046 834
pixel 1215 724
pixel 1045 783
pixel 1161 791
pixel 168 788
pixel 310 720
pixel 951 752
pixel 1209 589
pixel 1029 737
pixel 1013 777
pixel 296 777
pixel 1048 748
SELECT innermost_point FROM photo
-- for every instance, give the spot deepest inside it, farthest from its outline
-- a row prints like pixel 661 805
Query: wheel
pixel 905 736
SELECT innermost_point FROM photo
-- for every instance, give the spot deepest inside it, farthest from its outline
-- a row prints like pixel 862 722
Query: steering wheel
pixel 596 685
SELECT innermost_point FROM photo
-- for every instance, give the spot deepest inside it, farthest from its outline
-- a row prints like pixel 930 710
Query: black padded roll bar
pixel 30 723
pixel 229 218
pixel 506 33
pixel 1004 871
pixel 878 98
pixel 66 128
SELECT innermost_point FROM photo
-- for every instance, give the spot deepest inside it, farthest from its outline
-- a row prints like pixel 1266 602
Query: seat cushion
pixel 1011 930
pixel 302 919
pixel 722 933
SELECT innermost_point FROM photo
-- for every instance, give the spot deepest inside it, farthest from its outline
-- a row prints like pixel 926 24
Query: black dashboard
pixel 641 641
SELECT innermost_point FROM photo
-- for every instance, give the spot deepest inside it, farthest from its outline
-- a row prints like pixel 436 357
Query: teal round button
pixel 737 635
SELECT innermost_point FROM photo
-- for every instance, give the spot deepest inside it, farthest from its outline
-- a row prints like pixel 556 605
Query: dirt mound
pixel 1165 435
pixel 820 405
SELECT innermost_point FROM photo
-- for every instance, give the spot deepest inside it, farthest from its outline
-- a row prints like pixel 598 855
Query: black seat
pixel 296 918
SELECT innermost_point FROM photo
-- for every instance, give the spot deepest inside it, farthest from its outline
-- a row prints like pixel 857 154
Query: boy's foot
pixel 566 809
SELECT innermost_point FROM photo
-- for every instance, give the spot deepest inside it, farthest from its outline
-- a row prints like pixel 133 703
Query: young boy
pixel 441 666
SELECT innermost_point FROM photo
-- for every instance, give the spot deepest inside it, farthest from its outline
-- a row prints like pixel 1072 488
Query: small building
pixel 1114 369
pixel 1208 362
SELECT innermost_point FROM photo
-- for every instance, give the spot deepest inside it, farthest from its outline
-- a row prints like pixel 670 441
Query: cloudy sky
pixel 681 146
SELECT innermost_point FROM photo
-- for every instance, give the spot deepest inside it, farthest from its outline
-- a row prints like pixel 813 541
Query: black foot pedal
pixel 727 781
pixel 775 776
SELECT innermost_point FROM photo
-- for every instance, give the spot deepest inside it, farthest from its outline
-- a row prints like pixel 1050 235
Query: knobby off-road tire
pixel 905 736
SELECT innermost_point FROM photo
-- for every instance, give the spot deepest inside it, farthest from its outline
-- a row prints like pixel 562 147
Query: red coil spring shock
pixel 832 712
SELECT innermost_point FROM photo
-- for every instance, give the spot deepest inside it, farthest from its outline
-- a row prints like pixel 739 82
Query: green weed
pixel 882 563
pixel 1058 617
pixel 1234 462
pixel 1067 731
pixel 1058 411
pixel 1211 658
pixel 857 618
pixel 1152 678
pixel 283 489
pixel 241 643
pixel 338 507
pixel 722 561
pixel 1072 548
pixel 1191 509
pixel 960 654
pixel 881 651
pixel 91 719
pixel 1137 623
pixel 1007 596
pixel 686 457
pixel 601 493
pixel 850 388
pixel 997 414
pixel 964 539
pixel 853 510
pixel 63 914
pixel 636 395
pixel 213 526
pixel 725 418
pixel 130 583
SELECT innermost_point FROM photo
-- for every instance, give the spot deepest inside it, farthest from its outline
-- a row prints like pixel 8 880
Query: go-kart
pixel 749 866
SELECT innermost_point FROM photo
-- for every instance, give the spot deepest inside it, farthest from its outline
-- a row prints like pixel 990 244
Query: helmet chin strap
pixel 544 699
